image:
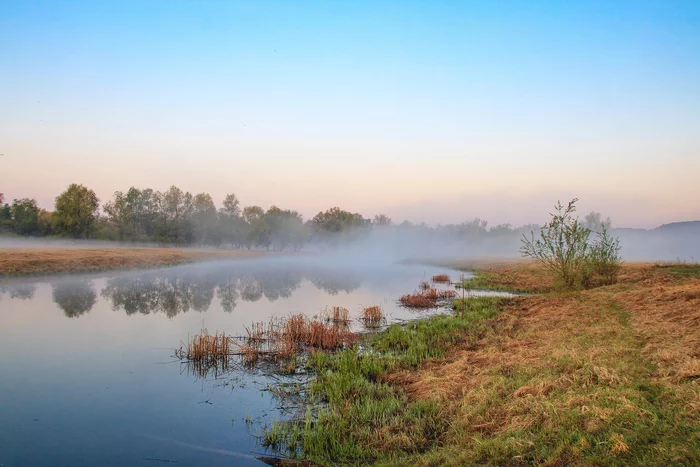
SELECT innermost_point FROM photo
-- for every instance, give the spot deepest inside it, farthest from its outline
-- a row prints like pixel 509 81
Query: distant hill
pixel 680 227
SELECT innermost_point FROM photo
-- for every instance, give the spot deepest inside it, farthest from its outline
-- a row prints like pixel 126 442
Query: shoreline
pixel 29 262
pixel 604 376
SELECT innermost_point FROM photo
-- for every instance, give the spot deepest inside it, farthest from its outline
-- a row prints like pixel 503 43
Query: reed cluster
pixel 282 339
pixel 441 278
pixel 426 298
pixel 372 316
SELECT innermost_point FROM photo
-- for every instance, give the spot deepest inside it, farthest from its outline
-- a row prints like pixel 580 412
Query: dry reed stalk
pixel 446 294
pixel 372 316
pixel 205 346
pixel 431 294
pixel 441 278
pixel 336 315
pixel 296 329
pixel 418 300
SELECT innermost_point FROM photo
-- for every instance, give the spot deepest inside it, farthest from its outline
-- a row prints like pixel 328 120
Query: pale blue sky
pixel 439 111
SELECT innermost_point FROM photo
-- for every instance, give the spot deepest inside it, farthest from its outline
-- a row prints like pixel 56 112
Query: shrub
pixel 562 246
pixel 604 256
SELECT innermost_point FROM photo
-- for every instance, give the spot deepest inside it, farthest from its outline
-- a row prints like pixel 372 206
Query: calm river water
pixel 88 375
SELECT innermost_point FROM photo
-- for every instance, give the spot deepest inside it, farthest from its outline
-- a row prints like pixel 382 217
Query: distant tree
pixel 285 228
pixel 120 213
pixel 594 222
pixel 336 220
pixel 25 216
pixel 5 212
pixel 231 206
pixel 258 232
pixel 380 220
pixel 204 220
pixel 76 211
pixel 176 207
pixel 232 228
pixel 501 229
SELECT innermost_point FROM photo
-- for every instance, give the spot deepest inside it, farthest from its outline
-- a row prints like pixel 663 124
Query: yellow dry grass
pixel 576 358
pixel 69 260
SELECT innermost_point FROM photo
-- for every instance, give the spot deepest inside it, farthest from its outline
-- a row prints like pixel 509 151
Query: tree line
pixel 179 217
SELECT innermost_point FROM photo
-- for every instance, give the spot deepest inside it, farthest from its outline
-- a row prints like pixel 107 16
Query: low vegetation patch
pixel 372 316
pixel 441 278
pixel 426 297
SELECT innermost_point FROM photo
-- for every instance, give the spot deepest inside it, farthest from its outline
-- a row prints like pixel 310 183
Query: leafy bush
pixel 562 246
pixel 564 249
pixel 604 256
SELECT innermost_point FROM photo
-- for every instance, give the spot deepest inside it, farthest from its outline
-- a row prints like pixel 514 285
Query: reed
pixel 336 315
pixel 205 346
pixel 441 278
pixel 372 316
pixel 418 300
pixel 431 294
pixel 446 294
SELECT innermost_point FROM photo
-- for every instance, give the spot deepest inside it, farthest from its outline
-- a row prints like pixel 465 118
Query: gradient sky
pixel 435 111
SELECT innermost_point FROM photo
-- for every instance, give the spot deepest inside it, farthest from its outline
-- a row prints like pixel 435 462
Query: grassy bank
pixel 607 376
pixel 20 262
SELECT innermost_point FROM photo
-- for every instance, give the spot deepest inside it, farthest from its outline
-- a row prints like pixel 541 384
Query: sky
pixel 435 111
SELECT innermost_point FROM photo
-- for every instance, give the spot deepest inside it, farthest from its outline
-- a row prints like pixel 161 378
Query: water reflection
pixel 20 291
pixel 75 298
pixel 154 292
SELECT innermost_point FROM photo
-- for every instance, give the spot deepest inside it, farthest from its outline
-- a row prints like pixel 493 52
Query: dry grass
pixel 441 278
pixel 417 300
pixel 426 298
pixel 69 260
pixel 620 361
pixel 282 339
pixel 336 315
pixel 372 316
pixel 205 352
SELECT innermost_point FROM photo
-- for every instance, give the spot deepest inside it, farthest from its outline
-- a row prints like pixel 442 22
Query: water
pixel 87 365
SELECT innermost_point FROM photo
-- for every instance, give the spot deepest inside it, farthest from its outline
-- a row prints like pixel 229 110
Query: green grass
pixel 363 419
pixel 485 281
pixel 682 271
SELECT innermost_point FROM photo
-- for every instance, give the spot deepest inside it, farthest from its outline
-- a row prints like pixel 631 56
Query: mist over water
pixel 382 246
pixel 94 354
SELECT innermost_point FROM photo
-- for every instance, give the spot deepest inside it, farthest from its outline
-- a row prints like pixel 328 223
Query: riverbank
pixel 608 376
pixel 39 261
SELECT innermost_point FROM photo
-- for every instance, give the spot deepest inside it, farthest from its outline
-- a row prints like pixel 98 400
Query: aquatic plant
pixel 441 278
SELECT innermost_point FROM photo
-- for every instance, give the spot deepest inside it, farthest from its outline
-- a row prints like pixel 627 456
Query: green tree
pixel 120 213
pixel 5 212
pixel 25 216
pixel 258 232
pixel 176 207
pixel 336 220
pixel 76 211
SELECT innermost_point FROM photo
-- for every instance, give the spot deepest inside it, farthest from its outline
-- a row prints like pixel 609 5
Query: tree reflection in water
pixel 75 298
pixel 18 291
pixel 174 292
